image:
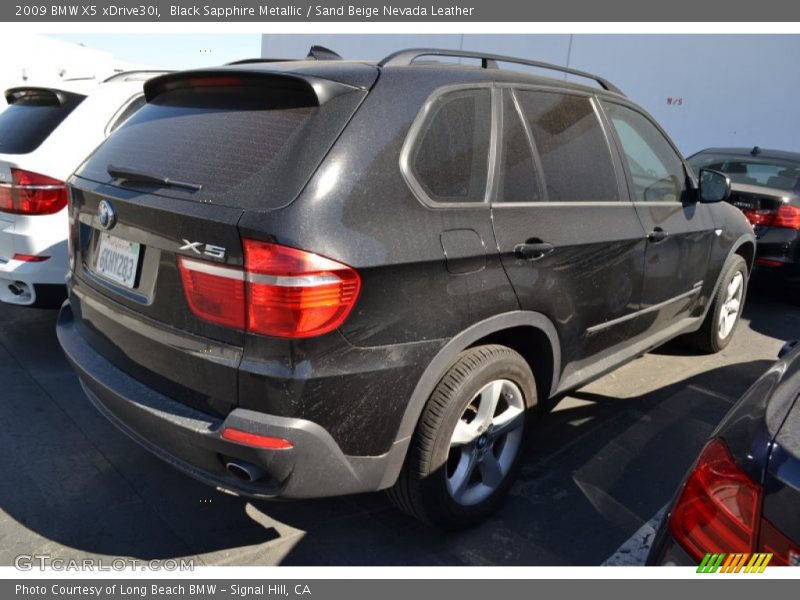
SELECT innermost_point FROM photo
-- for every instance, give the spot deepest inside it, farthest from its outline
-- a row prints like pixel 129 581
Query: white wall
pixel 39 60
pixel 726 90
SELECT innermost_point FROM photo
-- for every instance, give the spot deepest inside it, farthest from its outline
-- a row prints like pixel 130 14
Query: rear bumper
pixel 26 283
pixel 191 441
pixel 35 236
pixel 788 272
pixel 778 253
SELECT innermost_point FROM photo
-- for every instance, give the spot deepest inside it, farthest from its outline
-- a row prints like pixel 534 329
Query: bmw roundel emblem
pixel 106 214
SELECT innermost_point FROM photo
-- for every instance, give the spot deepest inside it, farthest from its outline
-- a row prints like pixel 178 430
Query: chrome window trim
pixel 410 144
pixel 624 198
pixel 688 172
pixel 110 126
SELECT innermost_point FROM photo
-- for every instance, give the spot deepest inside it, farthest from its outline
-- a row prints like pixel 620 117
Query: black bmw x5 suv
pixel 321 277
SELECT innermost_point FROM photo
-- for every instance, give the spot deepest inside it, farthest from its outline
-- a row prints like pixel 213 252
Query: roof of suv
pixel 362 73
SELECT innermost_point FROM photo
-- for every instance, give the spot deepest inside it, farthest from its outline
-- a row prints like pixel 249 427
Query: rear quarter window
pixel 450 155
pixel 31 116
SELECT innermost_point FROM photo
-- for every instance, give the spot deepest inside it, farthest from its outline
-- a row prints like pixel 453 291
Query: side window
pixel 656 169
pixel 451 155
pixel 572 147
pixel 127 112
pixel 517 178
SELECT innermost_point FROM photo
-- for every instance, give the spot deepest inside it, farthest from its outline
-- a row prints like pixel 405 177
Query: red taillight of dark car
pixel 786 215
pixel 718 508
pixel 281 292
pixel 32 194
pixel 719 511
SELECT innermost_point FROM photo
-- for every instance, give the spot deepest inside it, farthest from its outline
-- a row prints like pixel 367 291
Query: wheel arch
pixel 746 248
pixel 508 329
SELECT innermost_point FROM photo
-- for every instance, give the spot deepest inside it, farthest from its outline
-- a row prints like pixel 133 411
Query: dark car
pixel 766 188
pixel 321 277
pixel 742 496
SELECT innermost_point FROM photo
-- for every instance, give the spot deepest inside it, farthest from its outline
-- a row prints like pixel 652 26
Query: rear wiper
pixel 138 176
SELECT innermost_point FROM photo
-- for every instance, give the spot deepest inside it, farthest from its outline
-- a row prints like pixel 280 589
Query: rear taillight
pixel 760 216
pixel 718 508
pixel 785 216
pixel 32 194
pixel 214 293
pixel 282 291
pixel 292 293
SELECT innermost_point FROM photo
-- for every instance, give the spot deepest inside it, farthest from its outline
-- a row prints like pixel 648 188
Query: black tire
pixel 708 338
pixel 422 488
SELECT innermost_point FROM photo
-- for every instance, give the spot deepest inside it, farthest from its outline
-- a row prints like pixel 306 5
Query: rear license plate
pixel 117 260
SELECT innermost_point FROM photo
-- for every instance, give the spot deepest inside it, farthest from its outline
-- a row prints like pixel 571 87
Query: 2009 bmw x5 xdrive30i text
pixel 324 277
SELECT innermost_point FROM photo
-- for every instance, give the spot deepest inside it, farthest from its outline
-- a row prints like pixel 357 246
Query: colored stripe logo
pixel 735 563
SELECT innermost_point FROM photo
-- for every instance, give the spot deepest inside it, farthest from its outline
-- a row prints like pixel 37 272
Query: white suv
pixel 45 134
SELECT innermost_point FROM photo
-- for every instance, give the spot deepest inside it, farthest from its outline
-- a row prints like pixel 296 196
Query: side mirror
pixel 714 186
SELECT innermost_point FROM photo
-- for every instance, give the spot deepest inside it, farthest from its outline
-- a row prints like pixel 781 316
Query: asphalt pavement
pixel 606 461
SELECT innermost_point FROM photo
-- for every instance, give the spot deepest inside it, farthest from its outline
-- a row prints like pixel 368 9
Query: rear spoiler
pixel 41 95
pixel 318 89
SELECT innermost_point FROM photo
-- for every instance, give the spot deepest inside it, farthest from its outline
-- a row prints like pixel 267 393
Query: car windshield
pixel 751 170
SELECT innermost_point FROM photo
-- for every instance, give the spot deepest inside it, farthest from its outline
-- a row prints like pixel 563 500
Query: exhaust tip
pixel 244 471
pixel 20 289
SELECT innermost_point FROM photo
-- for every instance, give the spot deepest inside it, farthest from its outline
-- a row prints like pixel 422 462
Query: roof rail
pixel 404 58
pixel 315 53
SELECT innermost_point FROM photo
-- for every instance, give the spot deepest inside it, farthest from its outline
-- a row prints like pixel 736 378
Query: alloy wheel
pixel 729 312
pixel 485 442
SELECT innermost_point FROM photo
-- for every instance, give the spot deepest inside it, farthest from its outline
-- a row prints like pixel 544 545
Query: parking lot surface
pixel 606 461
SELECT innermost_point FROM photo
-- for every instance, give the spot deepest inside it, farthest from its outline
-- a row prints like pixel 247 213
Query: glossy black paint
pixel 432 277
pixel 762 432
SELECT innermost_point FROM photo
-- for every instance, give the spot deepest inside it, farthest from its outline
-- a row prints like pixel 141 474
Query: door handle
pixel 657 235
pixel 533 250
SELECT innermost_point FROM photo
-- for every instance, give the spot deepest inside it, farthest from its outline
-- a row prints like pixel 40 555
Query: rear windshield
pixel 248 145
pixel 32 115
pixel 772 173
